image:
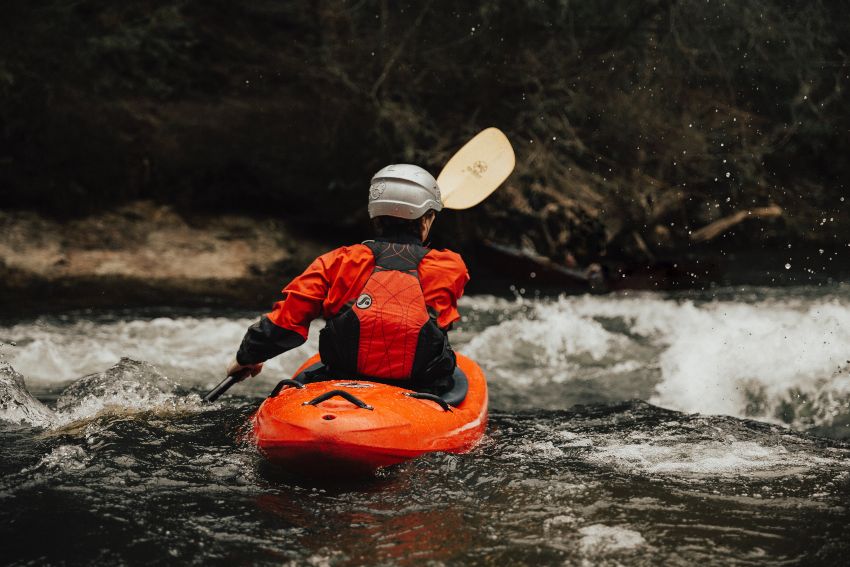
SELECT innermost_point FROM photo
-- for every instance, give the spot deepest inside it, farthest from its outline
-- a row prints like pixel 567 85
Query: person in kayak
pixel 389 302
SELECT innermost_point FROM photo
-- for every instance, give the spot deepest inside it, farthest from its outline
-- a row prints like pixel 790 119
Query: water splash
pixel 63 458
pixel 602 539
pixel 17 405
pixel 195 349
pixel 777 356
pixel 780 360
pixel 128 385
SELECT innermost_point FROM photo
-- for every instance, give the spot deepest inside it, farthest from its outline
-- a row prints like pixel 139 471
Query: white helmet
pixel 405 191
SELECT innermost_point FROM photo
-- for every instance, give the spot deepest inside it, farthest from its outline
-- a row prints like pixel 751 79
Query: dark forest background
pixel 636 124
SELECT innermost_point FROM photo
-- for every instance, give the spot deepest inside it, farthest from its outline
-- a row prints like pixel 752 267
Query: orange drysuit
pixel 332 284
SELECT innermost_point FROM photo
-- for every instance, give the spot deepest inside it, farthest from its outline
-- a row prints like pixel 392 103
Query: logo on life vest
pixel 364 301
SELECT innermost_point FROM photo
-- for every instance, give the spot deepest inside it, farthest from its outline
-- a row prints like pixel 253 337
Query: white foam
pixel 599 538
pixel 771 359
pixel 17 405
pixel 128 386
pixel 678 454
pixel 559 522
pixel 746 359
pixel 574 440
pixel 730 351
pixel 538 450
pixel 62 458
pixel 192 349
pixel 663 451
pixel 553 337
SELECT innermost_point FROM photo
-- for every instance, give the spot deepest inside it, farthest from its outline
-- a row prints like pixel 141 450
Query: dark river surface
pixel 631 429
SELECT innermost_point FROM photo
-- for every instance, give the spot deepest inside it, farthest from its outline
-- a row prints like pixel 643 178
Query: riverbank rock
pixel 143 254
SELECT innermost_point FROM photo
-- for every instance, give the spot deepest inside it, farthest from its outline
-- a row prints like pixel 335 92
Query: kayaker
pixel 389 302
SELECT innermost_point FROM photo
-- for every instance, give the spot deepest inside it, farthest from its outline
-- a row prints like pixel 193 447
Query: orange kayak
pixel 343 426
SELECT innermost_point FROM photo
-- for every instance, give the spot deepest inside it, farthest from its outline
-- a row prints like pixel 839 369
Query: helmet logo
pixel 478 169
pixel 364 301
pixel 377 189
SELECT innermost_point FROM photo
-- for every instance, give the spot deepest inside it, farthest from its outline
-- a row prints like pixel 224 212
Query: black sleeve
pixel 265 340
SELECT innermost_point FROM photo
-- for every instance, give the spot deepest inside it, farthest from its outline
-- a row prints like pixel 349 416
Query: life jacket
pixel 387 332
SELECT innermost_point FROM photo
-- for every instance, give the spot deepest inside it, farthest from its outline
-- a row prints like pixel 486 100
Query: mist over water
pixel 734 456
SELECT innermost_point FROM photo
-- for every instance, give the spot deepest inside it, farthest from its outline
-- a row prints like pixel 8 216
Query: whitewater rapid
pixel 780 356
pixel 615 437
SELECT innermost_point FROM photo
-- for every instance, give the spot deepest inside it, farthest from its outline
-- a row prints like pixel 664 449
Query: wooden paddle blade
pixel 476 170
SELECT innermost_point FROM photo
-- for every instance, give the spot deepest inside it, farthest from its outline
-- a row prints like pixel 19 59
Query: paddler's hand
pixel 243 371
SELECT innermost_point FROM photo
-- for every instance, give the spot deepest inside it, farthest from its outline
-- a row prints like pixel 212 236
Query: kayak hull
pixel 387 427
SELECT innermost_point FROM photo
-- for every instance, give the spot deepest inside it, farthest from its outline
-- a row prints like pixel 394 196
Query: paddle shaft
pixel 221 388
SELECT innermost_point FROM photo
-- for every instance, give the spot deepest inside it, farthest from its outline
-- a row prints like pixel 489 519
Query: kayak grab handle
pixel 342 394
pixel 283 383
pixel 430 397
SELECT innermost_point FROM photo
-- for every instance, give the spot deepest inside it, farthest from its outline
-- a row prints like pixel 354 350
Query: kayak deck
pixel 357 425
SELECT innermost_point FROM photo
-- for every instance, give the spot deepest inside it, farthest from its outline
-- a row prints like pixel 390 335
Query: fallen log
pixel 544 269
pixel 718 227
pixel 536 259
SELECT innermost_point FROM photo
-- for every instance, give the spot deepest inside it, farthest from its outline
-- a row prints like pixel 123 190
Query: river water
pixel 634 429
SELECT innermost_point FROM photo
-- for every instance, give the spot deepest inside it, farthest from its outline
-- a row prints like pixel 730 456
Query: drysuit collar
pixel 400 239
